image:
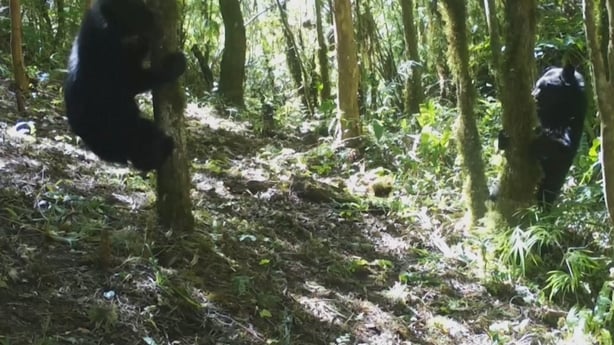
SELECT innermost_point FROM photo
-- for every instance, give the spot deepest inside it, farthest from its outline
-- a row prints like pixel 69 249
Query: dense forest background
pixel 331 185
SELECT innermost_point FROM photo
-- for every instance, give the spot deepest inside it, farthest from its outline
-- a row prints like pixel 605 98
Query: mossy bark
pixel 347 81
pixel 173 179
pixel 521 172
pixel 413 86
pixel 603 70
pixel 232 66
pixel 467 136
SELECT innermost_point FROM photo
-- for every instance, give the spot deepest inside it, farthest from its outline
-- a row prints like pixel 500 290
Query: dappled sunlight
pixel 268 241
pixel 205 183
pixel 309 173
pixel 369 322
pixel 207 116
pixel 397 293
pixel 454 329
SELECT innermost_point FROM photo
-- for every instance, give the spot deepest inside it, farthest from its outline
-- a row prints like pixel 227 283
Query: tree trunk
pixel 362 54
pixel 347 80
pixel 205 70
pixel 604 27
pixel 467 136
pixel 232 67
pixel 521 172
pixel 413 87
pixel 295 64
pixel 292 58
pixel 495 40
pixel 61 18
pixel 322 55
pixel 42 10
pixel 173 179
pixel 603 93
pixel 437 46
pixel 19 68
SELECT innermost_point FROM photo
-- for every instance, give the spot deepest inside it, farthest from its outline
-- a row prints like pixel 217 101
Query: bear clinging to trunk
pixel 105 73
pixel 561 107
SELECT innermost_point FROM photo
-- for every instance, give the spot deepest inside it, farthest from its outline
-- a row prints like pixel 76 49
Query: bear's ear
pixel 108 11
pixel 569 73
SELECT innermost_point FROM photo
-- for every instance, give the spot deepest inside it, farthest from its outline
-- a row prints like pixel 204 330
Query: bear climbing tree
pixel 105 73
pixel 561 107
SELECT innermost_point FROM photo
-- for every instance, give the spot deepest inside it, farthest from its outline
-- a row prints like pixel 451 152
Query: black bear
pixel 561 107
pixel 106 72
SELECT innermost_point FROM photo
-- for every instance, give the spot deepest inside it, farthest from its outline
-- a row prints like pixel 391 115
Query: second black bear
pixel 105 73
pixel 561 107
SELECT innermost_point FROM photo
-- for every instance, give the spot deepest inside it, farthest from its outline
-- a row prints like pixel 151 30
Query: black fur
pixel 561 108
pixel 106 72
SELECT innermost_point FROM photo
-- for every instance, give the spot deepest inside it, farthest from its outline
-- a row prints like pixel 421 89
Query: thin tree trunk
pixel 603 95
pixel 59 33
pixel 322 55
pixel 19 68
pixel 521 172
pixel 232 67
pixel 604 27
pixel 205 70
pixel 43 11
pixel 437 47
pixel 295 64
pixel 173 179
pixel 413 87
pixel 467 136
pixel 495 40
pixel 362 53
pixel 347 80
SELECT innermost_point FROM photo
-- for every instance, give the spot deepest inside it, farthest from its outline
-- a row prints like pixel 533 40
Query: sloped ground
pixel 268 262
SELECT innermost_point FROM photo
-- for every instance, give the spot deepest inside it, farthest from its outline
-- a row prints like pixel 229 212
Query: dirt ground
pixel 268 263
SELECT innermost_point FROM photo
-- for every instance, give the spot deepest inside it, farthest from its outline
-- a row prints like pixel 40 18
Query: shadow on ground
pixel 264 265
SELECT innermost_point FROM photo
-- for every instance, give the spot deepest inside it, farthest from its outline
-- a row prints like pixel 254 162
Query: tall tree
pixel 521 172
pixel 19 67
pixel 232 67
pixel 437 47
pixel 173 179
pixel 603 72
pixel 490 11
pixel 296 65
pixel 467 136
pixel 347 81
pixel 61 20
pixel 413 87
pixel 322 55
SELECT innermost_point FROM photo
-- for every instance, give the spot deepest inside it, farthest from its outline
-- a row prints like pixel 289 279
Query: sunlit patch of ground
pixel 265 264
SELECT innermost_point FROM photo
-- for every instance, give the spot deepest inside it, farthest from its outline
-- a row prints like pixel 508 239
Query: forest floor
pixel 270 262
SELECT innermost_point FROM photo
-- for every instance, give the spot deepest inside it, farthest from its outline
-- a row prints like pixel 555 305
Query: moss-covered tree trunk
pixel 437 47
pixel 295 64
pixel 603 93
pixel 61 20
pixel 173 179
pixel 347 80
pixel 490 11
pixel 413 86
pixel 467 136
pixel 322 55
pixel 521 172
pixel 232 67
pixel 19 67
